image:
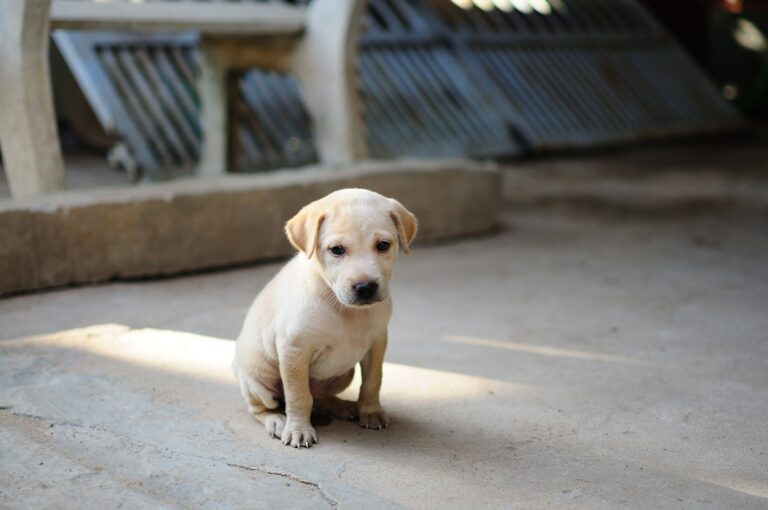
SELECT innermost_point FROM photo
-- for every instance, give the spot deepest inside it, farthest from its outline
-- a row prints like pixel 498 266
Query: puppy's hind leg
pixel 262 409
pixel 329 404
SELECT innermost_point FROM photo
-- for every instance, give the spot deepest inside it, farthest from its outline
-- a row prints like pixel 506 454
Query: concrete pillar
pixel 213 98
pixel 325 64
pixel 28 136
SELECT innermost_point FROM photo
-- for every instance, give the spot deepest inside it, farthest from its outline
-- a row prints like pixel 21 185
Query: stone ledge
pixel 187 225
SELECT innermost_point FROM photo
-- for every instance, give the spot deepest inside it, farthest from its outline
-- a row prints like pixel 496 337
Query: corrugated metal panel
pixel 481 78
pixel 417 97
pixel 273 127
pixel 578 73
pixel 143 89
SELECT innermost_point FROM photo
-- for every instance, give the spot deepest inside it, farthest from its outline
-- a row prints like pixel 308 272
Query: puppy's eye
pixel 337 250
pixel 382 246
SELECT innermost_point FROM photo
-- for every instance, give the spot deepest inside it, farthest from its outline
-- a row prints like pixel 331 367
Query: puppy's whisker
pixel 329 298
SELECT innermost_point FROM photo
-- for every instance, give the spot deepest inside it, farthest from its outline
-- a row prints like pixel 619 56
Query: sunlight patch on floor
pixel 541 349
pixel 209 358
pixel 754 488
pixel 174 351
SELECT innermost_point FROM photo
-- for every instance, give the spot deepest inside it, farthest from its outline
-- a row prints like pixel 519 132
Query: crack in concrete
pixel 35 417
pixel 332 503
pixel 58 422
pixel 272 471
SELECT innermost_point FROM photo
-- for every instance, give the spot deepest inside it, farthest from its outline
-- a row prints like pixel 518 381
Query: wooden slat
pixel 209 18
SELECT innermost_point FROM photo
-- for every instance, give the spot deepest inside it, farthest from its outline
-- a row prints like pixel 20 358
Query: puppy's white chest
pixel 340 351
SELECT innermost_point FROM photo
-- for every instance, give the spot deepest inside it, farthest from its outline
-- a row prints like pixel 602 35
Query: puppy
pixel 323 313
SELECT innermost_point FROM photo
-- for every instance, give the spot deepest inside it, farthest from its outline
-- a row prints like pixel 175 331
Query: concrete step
pixel 194 224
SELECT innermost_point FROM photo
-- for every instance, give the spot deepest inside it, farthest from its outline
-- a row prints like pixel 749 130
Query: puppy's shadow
pixel 399 426
pixel 316 419
pixel 321 420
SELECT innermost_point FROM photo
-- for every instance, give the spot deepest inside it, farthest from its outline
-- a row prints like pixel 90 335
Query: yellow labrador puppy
pixel 323 313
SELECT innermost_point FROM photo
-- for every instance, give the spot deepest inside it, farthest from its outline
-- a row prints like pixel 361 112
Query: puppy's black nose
pixel 365 290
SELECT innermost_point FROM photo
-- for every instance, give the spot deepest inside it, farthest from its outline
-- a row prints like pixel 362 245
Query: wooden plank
pixel 214 18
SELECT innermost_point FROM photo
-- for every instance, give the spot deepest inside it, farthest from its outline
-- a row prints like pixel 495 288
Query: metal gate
pixel 477 78
pixel 569 73
pixel 143 88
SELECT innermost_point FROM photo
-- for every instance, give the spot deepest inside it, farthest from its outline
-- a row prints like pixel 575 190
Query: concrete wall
pixel 187 225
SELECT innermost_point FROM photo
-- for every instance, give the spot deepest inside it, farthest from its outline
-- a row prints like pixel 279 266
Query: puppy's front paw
pixel 372 417
pixel 275 424
pixel 298 434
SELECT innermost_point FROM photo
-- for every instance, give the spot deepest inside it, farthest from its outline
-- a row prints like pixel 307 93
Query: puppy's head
pixel 352 236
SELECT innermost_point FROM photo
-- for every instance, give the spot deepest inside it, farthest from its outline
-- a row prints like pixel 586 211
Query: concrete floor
pixel 584 357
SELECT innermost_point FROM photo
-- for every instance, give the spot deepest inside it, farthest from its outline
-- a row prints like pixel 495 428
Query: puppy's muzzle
pixel 366 292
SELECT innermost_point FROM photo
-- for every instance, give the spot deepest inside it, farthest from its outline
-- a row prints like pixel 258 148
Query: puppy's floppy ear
pixel 405 222
pixel 302 230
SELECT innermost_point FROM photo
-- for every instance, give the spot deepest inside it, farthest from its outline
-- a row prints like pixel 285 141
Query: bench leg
pixel 28 136
pixel 324 63
pixel 213 99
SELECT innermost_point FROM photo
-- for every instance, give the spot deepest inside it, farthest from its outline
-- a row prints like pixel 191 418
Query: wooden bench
pixel 317 44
